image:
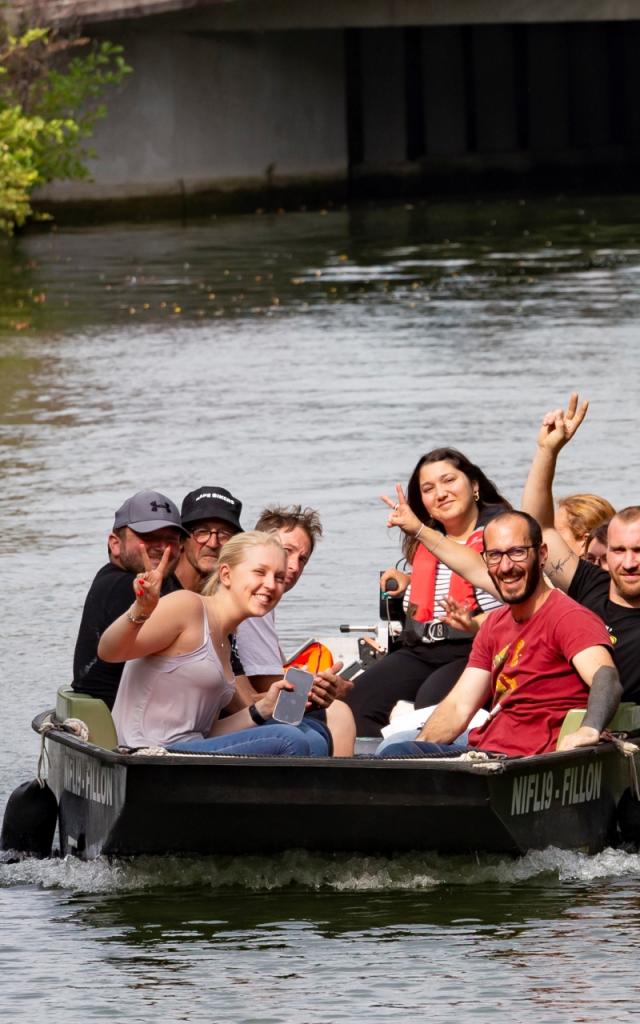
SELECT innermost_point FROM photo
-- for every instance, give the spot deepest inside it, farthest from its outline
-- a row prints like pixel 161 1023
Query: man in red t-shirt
pixel 538 656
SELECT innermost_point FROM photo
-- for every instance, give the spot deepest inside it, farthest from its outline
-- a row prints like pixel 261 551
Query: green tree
pixel 51 88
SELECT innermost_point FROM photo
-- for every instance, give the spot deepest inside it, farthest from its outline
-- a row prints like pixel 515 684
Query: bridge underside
pixel 245 103
pixel 262 15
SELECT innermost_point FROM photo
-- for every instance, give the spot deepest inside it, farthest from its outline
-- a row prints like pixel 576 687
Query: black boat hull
pixel 113 804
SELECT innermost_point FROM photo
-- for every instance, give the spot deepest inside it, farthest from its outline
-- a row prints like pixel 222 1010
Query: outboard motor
pixel 30 820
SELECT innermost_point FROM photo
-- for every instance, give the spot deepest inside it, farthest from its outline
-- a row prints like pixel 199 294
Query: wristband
pixel 256 717
pixel 136 619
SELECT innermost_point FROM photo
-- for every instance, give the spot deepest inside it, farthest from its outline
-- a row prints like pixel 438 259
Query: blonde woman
pixel 178 679
pixel 578 516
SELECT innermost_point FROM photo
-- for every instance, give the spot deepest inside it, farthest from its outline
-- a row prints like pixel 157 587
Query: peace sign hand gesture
pixel 401 513
pixel 558 427
pixel 147 584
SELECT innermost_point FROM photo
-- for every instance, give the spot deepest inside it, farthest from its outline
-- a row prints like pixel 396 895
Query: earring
pixel 476 496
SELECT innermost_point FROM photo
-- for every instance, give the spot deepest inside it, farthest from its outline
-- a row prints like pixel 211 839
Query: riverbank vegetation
pixel 51 95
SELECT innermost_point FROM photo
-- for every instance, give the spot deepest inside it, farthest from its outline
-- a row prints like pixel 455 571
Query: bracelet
pixel 416 535
pixel 137 620
pixel 256 717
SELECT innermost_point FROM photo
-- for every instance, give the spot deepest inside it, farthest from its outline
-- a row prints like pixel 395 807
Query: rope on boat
pixel 72 725
pixel 482 761
pixel 44 764
pixel 163 752
pixel 479 760
pixel 628 749
pixel 77 727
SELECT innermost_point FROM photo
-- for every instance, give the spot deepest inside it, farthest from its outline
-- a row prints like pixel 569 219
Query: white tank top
pixel 162 700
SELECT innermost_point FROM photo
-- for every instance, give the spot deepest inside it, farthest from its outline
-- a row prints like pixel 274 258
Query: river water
pixel 311 357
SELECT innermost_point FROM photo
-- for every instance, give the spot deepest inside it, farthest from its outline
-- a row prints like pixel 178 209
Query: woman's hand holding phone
pixel 266 704
pixel 292 701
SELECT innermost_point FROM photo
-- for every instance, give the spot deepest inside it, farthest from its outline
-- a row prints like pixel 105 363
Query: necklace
pixel 215 631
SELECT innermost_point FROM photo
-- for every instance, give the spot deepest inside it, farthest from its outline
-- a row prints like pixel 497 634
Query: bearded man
pixel 537 657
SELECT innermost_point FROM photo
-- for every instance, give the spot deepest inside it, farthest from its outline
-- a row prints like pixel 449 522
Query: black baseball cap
pixel 147 511
pixel 212 503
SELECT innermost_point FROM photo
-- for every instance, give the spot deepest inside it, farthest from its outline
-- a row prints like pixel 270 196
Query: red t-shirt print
pixel 534 683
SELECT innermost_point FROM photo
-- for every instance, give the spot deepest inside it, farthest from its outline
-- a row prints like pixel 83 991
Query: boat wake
pixel 302 870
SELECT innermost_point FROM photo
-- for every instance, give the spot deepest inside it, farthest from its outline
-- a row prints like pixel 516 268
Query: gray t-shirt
pixel 258 646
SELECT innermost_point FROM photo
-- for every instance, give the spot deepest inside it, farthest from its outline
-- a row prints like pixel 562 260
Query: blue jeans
pixel 317 735
pixel 271 740
pixel 417 748
pixel 409 736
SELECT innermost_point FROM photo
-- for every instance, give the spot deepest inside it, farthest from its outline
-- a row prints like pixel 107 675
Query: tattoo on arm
pixel 604 697
pixel 556 567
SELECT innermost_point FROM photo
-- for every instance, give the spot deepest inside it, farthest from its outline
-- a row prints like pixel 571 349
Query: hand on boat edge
pixel 586 736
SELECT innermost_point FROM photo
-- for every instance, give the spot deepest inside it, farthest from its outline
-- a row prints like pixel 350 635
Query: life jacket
pixel 423 581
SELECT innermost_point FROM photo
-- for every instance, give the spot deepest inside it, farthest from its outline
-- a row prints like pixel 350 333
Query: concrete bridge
pixel 262 15
pixel 243 101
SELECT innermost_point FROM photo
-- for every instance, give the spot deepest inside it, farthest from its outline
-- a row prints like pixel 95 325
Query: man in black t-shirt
pixel 596 589
pixel 147 520
pixel 613 595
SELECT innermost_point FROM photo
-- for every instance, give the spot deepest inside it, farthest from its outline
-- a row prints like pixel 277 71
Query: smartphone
pixel 291 704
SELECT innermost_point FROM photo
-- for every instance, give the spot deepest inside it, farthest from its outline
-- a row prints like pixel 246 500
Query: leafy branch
pixel 51 89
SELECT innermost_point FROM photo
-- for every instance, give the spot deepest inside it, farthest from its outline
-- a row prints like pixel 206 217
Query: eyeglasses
pixel 519 554
pixel 201 534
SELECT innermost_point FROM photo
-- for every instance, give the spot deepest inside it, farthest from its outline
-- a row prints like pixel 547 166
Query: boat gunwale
pixel 499 766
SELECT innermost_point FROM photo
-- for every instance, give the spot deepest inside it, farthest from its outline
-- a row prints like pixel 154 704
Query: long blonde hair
pixel 235 551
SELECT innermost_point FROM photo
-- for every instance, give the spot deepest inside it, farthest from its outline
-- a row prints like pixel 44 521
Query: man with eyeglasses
pixel 537 657
pixel 614 593
pixel 146 520
pixel 210 517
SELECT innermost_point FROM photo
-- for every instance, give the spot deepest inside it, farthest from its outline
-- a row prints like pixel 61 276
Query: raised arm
pixel 558 427
pixel 150 625
pixel 454 713
pixel 595 666
pixel 464 561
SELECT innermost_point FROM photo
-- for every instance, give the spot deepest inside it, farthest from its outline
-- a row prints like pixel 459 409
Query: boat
pixel 121 803
pixel 117 802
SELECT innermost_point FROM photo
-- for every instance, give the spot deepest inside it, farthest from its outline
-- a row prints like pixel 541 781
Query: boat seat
pixel 626 719
pixel 90 710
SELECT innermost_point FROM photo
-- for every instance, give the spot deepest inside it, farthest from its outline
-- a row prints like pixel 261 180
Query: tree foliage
pixel 51 89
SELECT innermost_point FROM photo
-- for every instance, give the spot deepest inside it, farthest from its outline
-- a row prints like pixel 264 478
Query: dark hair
pixel 287 517
pixel 535 530
pixel 598 533
pixel 488 493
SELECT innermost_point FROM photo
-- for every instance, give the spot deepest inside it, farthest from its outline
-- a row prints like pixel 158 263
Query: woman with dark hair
pixel 596 546
pixel 447 496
